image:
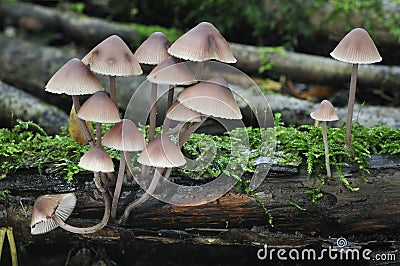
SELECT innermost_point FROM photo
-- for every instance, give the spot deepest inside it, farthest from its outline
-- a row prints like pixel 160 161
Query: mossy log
pixel 373 79
pixel 373 210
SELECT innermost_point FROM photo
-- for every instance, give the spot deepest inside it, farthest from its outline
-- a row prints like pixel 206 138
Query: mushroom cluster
pixel 113 57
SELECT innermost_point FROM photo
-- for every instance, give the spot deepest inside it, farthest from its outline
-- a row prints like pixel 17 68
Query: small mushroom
pixel 202 43
pixel 100 109
pixel 153 51
pixel 211 98
pixel 124 136
pixel 50 211
pixel 160 153
pixel 357 47
pixel 113 57
pixel 171 72
pixel 325 112
pixel 75 79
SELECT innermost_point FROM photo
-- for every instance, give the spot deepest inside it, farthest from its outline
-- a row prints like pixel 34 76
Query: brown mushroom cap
pixel 97 160
pixel 357 47
pixel 46 207
pixel 99 108
pixel 124 136
pixel 162 152
pixel 201 43
pixel 74 78
pixel 325 112
pixel 211 97
pixel 171 72
pixel 113 57
pixel 153 50
pixel 179 112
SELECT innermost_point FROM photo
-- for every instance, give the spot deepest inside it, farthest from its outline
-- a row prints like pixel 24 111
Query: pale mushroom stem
pixel 325 137
pixel 98 134
pixel 153 111
pixel 118 187
pixel 352 96
pixel 185 134
pixel 169 104
pixel 156 177
pixel 97 182
pixel 91 229
pixel 88 134
pixel 113 90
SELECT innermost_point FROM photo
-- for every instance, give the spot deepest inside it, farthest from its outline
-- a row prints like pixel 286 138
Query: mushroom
pixel 160 153
pixel 357 47
pixel 171 72
pixel 75 79
pixel 100 109
pixel 212 97
pixel 50 211
pixel 124 136
pixel 113 57
pixel 153 51
pixel 325 112
pixel 201 43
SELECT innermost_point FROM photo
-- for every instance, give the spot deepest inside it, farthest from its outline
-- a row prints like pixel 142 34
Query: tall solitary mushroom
pixel 357 47
pixel 325 112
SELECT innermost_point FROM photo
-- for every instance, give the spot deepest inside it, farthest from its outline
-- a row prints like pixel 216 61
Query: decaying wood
pixel 375 79
pixel 17 104
pixel 372 210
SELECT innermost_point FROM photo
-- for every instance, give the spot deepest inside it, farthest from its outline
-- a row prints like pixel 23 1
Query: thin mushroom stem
pixel 91 229
pixel 154 182
pixel 84 126
pixel 113 90
pixel 325 137
pixel 352 96
pixel 185 134
pixel 118 187
pixel 98 134
pixel 153 111
pixel 97 182
pixel 169 104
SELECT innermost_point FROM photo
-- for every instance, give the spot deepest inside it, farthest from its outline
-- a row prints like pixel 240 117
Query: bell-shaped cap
pixel 162 152
pixel 171 71
pixel 201 43
pixel 325 112
pixel 357 47
pixel 153 50
pixel 74 78
pixel 97 160
pixel 46 207
pixel 212 98
pixel 178 112
pixel 99 108
pixel 124 136
pixel 113 57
